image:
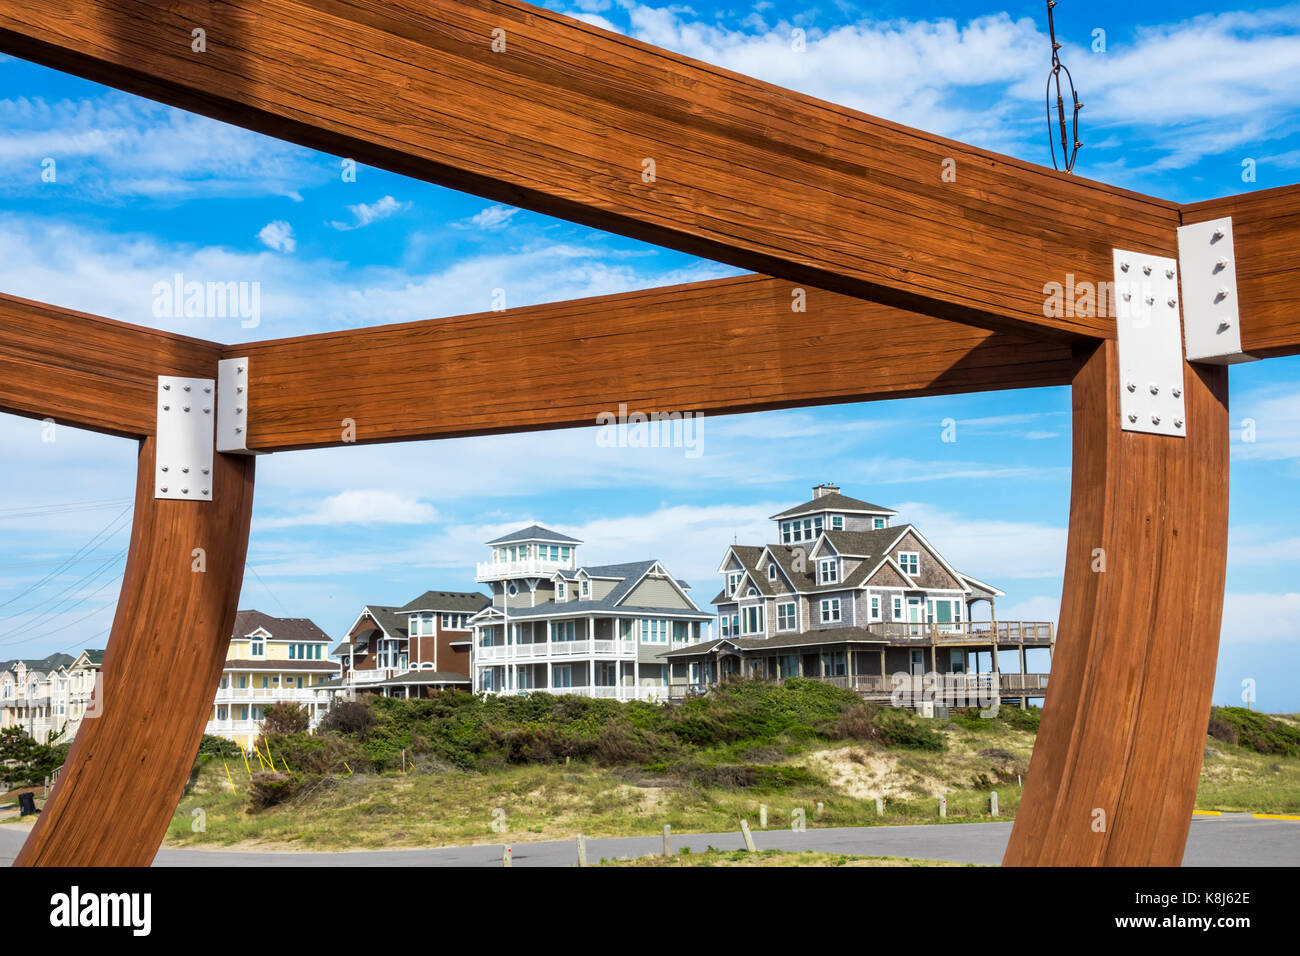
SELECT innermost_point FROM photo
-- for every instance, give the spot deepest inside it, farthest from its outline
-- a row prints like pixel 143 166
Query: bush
pixel 351 717
pixel 1254 731
pixel 285 718
pixel 219 747
pixel 271 789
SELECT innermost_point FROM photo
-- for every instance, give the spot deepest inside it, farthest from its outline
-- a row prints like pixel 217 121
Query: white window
pixel 724 625
pixel 909 561
pixel 257 647
pixel 828 570
pixel 512 589
pixel 753 619
pixel 898 607
pixel 830 610
pixel 654 631
pixel 586 588
pixel 733 581
pixel 877 523
pixel 786 533
pixel 771 571
pixel 563 631
pixel 785 615
pixel 561 591
pixel 875 607
pixel 562 675
pixel 837 522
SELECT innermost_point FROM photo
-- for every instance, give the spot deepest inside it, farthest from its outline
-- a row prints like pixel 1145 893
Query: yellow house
pixel 271 660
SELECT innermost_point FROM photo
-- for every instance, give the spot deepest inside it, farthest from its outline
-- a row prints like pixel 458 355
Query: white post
pixel 582 850
pixel 668 840
pixel 749 837
pixel 993 803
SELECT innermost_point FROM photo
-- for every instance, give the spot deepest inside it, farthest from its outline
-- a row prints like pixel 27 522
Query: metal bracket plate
pixel 1150 344
pixel 232 406
pixel 1211 319
pixel 183 466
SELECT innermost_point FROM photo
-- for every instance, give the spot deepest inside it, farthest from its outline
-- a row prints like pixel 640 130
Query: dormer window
pixel 828 571
pixel 910 562
pixel 561 591
pixel 878 523
pixel 257 647
pixel 586 588
pixel 512 589
pixel 771 572
pixel 733 581
pixel 837 522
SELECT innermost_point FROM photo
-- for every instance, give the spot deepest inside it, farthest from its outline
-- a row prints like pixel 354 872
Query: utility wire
pixel 103 534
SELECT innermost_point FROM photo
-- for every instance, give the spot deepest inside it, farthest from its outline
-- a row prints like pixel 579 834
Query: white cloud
pixel 493 217
pixel 119 147
pixel 1250 618
pixel 359 506
pixel 278 235
pixel 363 214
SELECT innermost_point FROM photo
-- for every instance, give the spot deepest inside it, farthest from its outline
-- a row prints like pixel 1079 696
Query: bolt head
pixel 1155 419
pixel 1146 270
pixel 1123 267
pixel 1169 273
pixel 1178 393
pixel 1178 423
pixel 1131 418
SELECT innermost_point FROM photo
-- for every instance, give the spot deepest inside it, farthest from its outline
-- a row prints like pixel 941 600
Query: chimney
pixel 826 488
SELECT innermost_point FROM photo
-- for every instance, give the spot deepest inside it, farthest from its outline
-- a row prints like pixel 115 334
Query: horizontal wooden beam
pixel 732 345
pixel 88 371
pixel 564 118
pixel 1266 239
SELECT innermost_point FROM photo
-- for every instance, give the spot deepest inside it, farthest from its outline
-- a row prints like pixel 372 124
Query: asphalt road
pixel 1230 840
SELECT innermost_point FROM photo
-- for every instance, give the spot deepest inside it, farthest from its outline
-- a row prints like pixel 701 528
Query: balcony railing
pixel 965 632
pixel 528 567
pixel 228 695
pixel 914 686
pixel 557 649
pixel 605 692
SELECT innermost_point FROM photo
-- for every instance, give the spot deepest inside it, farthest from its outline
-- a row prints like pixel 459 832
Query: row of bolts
pixel 207 410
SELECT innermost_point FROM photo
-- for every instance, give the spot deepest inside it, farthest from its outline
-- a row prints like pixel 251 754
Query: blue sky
pixel 1175 103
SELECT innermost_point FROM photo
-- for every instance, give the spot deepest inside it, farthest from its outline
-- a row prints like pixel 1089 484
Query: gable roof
pixel 834 502
pixel 534 532
pixel 280 628
pixel 43 665
pixel 470 601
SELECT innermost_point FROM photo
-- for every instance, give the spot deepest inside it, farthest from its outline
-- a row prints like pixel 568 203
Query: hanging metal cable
pixel 1069 130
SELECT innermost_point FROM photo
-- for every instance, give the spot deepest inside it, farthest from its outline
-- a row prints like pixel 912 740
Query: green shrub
pixel 270 789
pixel 1254 731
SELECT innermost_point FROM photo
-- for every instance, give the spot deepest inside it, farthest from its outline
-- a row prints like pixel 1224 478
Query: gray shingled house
pixel 845 595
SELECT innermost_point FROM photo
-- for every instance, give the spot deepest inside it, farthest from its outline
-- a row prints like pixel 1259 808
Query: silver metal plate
pixel 186 412
pixel 232 406
pixel 1150 344
pixel 1211 318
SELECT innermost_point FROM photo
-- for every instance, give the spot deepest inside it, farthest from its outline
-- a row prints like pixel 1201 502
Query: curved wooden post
pixel 1114 771
pixel 128 766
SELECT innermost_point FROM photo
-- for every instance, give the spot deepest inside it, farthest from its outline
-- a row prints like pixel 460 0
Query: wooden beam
pixel 731 345
pixel 88 371
pixel 1266 238
pixel 1113 776
pixel 564 119
pixel 127 767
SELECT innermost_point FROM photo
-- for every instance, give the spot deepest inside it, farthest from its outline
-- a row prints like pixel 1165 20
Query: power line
pixel 103 534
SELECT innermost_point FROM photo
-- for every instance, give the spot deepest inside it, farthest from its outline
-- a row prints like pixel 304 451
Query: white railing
pixel 490 570
pixel 557 649
pixel 241 695
pixel 609 693
pixel 372 676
